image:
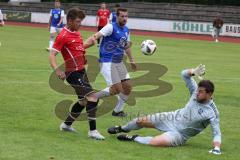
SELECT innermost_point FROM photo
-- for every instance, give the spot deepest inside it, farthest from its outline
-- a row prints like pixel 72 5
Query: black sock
pixel 91 111
pixel 75 112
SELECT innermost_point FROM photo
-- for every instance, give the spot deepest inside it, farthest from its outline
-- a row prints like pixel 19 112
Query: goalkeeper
pixel 180 125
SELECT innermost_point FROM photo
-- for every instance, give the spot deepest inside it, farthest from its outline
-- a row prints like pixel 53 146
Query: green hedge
pixel 207 2
pixel 87 1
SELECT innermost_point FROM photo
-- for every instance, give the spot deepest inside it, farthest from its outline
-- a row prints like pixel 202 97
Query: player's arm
pixel 50 20
pixel 97 19
pixel 61 19
pixel 110 18
pixel 128 51
pixel 92 40
pixel 131 59
pixel 189 73
pixel 105 31
pixel 57 47
pixel 53 63
pixel 214 122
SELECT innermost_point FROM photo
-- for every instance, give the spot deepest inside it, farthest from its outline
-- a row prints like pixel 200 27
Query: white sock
pixel 103 93
pixel 143 140
pixel 50 44
pixel 122 98
pixel 132 125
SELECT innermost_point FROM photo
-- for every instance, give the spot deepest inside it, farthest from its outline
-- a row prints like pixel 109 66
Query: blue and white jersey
pixel 113 42
pixel 113 17
pixel 56 15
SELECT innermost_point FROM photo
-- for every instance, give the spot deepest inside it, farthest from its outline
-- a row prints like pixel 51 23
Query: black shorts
pixel 99 27
pixel 79 81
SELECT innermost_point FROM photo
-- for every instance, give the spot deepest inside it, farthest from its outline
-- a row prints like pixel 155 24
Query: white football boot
pixel 95 135
pixel 64 127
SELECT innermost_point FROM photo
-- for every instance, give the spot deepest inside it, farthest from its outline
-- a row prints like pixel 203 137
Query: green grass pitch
pixel 29 127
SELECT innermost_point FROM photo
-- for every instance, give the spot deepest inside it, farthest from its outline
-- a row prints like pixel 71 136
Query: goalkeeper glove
pixel 199 71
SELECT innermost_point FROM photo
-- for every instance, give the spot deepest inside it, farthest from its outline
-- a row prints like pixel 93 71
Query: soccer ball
pixel 148 47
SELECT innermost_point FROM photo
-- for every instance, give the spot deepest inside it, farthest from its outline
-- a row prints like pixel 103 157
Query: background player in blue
pixel 113 15
pixel 182 124
pixel 115 40
pixel 55 24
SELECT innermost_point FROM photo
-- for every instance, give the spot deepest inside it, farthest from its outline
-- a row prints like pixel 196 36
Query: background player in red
pixel 102 16
pixel 70 43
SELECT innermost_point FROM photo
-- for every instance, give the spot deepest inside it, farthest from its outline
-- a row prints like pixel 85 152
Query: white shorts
pixel 55 29
pixel 114 73
pixel 163 122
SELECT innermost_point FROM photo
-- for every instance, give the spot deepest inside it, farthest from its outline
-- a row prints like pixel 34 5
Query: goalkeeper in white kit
pixel 180 125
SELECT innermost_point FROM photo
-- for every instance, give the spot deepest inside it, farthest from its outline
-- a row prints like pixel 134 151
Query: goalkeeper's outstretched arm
pixel 189 73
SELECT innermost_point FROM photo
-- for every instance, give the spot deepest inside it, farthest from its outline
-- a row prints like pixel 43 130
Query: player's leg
pixel 108 71
pixel 217 34
pixel 126 89
pixel 91 108
pixel 123 97
pixel 73 115
pixel 135 124
pixel 162 140
pixel 167 139
pixel 53 31
pixel 99 28
pixel 73 80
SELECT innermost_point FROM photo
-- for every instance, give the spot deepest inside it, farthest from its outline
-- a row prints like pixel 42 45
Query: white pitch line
pixel 26 70
pixel 22 82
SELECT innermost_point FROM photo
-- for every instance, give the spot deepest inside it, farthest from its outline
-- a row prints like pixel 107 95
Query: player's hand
pixel 128 45
pixel 133 66
pixel 61 75
pixel 93 40
pixel 199 71
pixel 215 151
pixel 90 42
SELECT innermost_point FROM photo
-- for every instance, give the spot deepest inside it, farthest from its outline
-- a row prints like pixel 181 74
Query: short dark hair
pixel 75 13
pixel 121 10
pixel 207 84
pixel 117 5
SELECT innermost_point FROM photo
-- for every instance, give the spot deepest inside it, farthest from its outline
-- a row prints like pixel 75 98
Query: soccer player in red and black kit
pixel 70 43
pixel 102 16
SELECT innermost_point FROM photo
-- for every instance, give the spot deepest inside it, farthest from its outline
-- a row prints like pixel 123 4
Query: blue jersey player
pixel 113 15
pixel 55 24
pixel 115 41
pixel 180 125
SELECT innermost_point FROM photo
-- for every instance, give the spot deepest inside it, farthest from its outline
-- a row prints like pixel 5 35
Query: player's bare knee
pixel 140 121
pixel 51 35
pixel 115 90
pixel 127 90
pixel 127 87
pixel 82 102
pixel 160 141
pixel 92 97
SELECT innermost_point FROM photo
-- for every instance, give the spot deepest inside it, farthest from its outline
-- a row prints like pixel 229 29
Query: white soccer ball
pixel 148 47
